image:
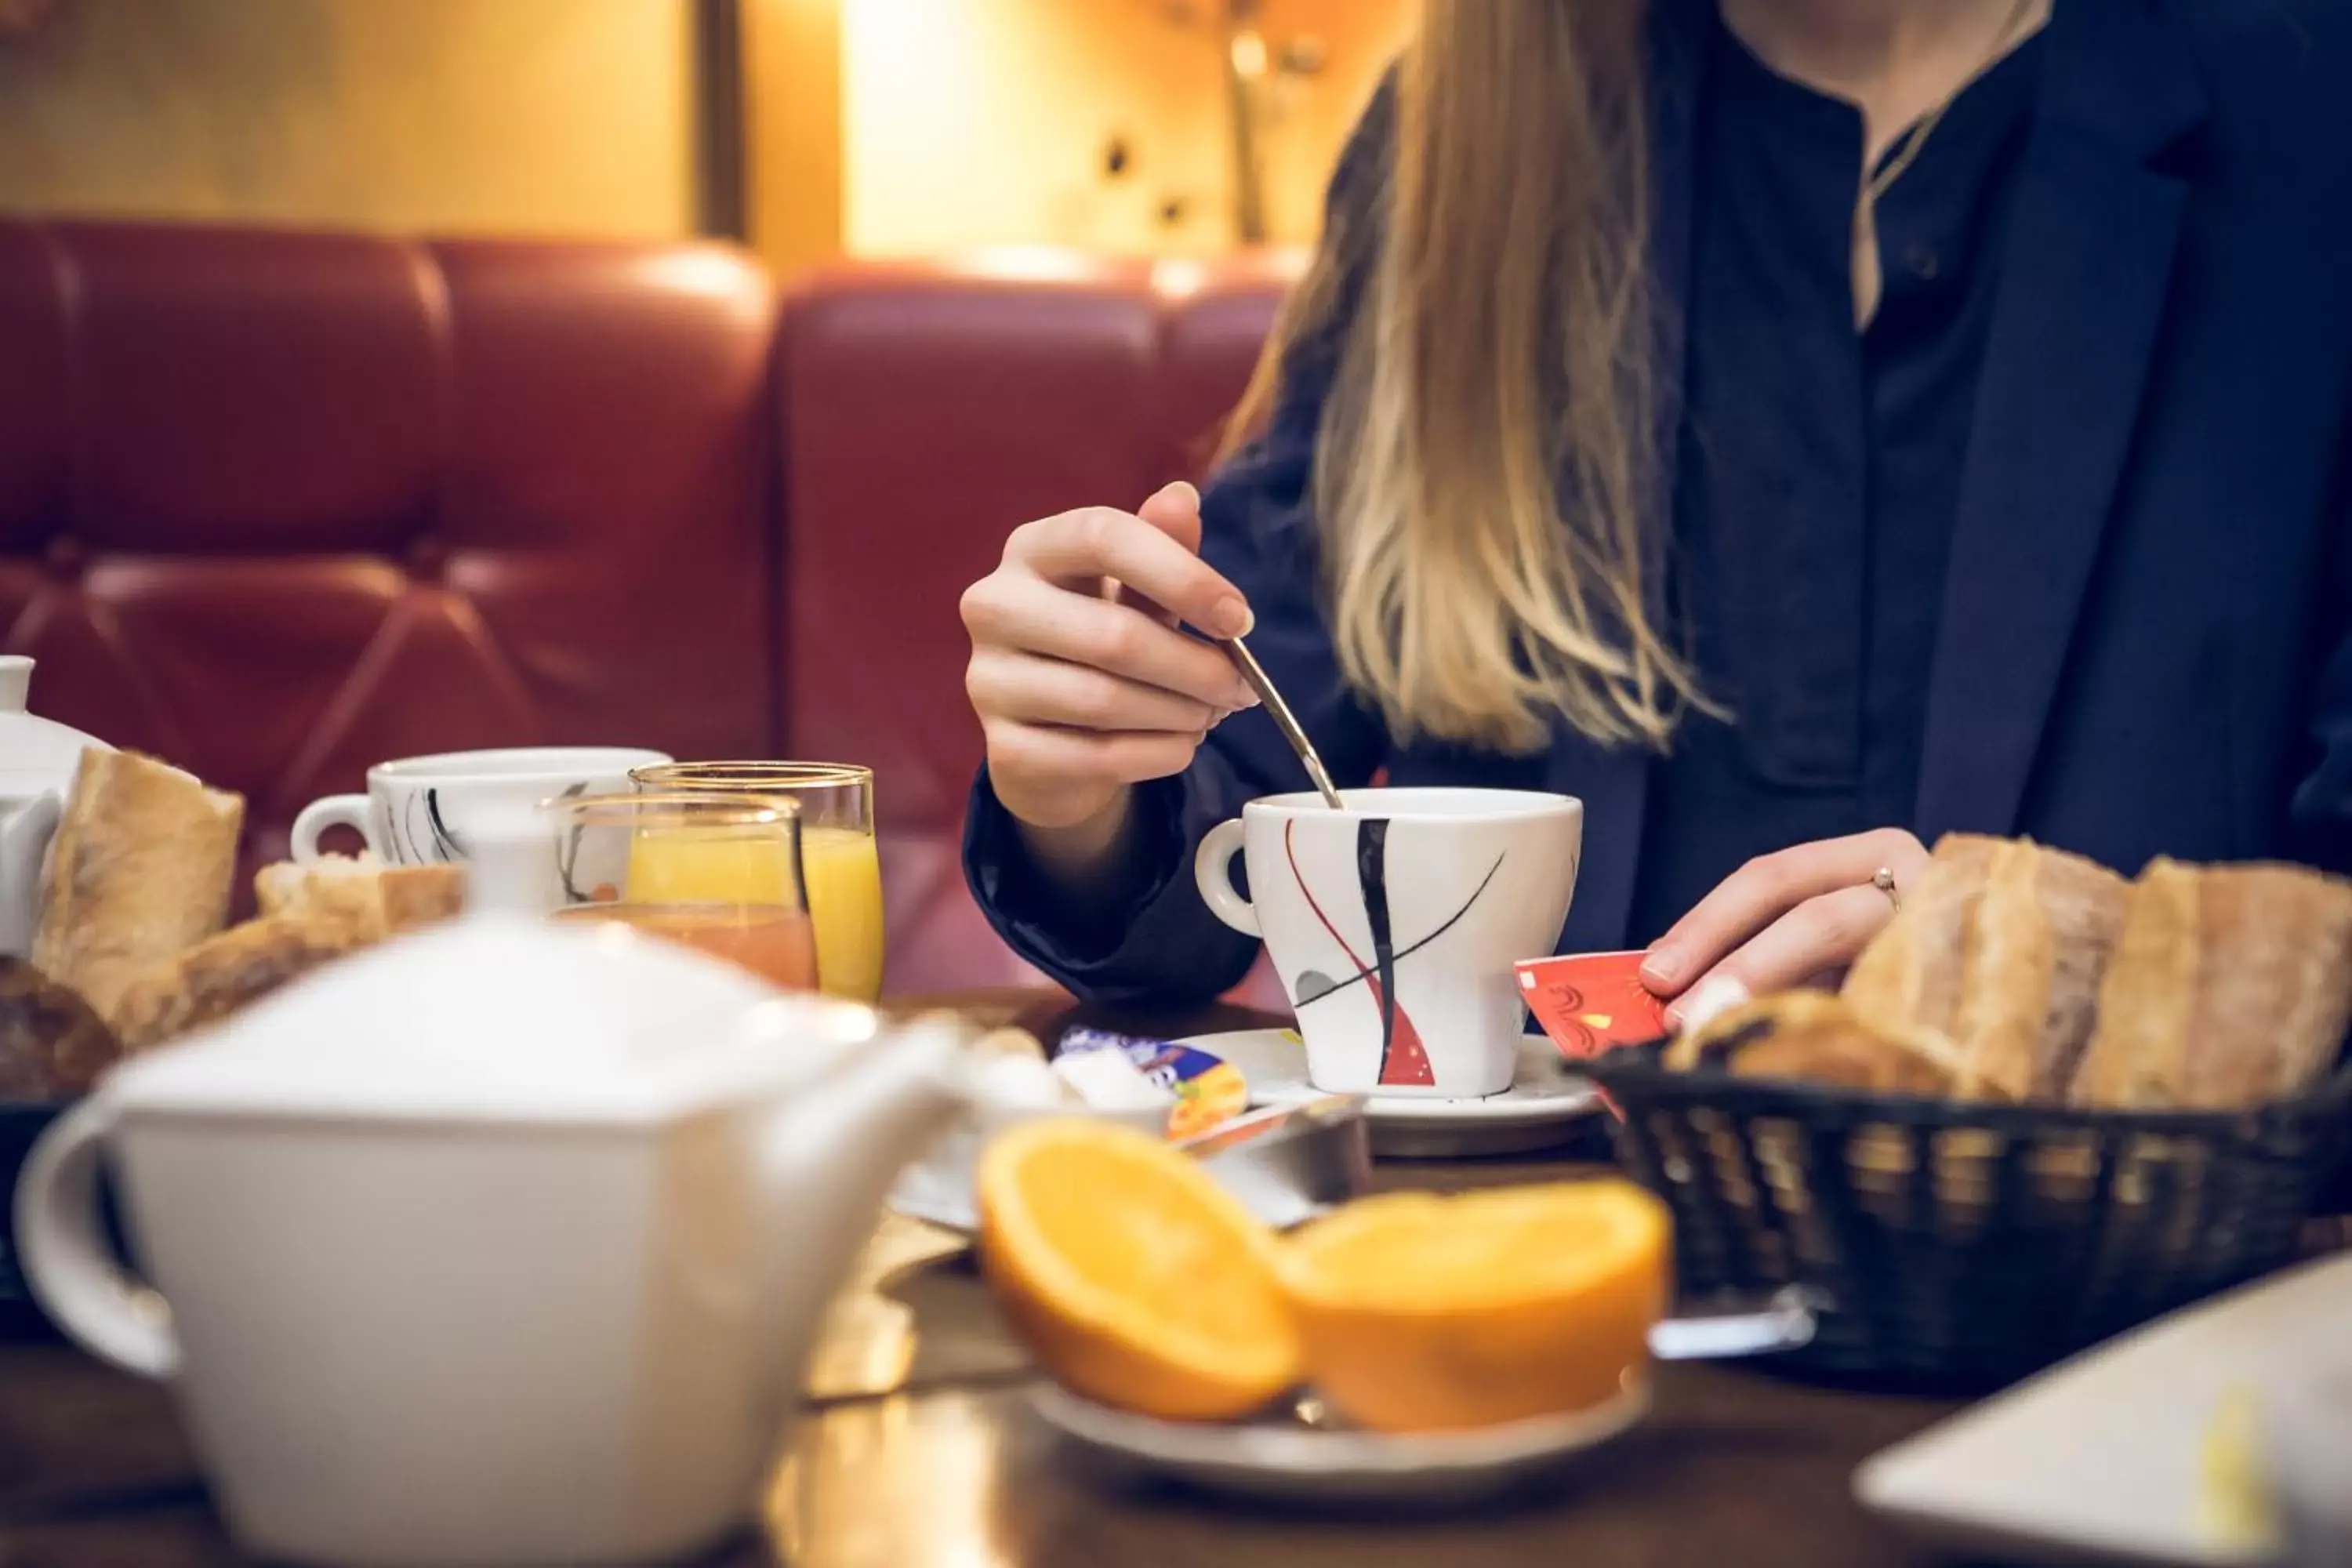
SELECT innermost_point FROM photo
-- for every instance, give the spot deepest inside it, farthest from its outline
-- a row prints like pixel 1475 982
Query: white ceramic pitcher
pixel 37 758
pixel 501 1244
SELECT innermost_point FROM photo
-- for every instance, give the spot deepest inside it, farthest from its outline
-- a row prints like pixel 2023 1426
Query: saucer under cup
pixel 1394 924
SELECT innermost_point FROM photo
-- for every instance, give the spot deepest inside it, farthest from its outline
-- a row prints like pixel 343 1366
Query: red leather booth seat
pixel 278 506
pixel 925 412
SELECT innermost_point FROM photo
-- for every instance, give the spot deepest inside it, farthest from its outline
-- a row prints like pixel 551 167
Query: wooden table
pixel 916 1452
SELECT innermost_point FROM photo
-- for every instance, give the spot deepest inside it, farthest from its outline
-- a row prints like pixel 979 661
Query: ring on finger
pixel 1884 880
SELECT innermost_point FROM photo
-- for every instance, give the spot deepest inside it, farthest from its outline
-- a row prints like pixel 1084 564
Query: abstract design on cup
pixel 1424 897
pixel 434 842
pixel 1405 1061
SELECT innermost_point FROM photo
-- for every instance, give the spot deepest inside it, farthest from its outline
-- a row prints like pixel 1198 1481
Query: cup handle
pixel 330 811
pixel 66 1257
pixel 1212 866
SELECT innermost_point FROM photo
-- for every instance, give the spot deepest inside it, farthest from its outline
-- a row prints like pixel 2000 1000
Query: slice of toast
pixel 141 869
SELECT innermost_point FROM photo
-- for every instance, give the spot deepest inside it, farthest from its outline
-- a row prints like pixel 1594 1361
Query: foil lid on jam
pixel 1206 1089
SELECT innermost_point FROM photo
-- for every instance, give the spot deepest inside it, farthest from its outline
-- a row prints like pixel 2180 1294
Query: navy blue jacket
pixel 2144 645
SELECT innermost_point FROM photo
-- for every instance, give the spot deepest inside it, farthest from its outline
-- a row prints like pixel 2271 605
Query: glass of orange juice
pixel 838 855
pixel 748 903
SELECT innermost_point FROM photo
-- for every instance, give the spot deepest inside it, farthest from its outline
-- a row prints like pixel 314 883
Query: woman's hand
pixel 1784 920
pixel 1083 684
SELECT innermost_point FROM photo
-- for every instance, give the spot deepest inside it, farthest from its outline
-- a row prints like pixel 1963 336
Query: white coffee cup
pixel 417 811
pixel 1453 886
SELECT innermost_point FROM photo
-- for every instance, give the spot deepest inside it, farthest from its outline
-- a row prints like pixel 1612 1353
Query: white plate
pixel 2102 1456
pixel 1288 1461
pixel 1541 1109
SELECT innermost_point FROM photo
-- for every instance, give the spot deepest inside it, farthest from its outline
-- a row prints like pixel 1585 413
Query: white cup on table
pixel 419 811
pixel 1394 923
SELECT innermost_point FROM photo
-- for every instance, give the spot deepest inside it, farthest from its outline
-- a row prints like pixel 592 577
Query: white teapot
pixel 37 758
pixel 501 1244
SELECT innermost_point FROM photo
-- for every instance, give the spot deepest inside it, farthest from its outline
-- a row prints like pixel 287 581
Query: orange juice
pixel 845 889
pixel 772 942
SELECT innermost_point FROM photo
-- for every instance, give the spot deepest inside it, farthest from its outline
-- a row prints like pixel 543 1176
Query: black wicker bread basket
pixel 1964 1244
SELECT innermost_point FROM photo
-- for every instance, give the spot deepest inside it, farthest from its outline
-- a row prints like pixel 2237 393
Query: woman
pixel 1797 427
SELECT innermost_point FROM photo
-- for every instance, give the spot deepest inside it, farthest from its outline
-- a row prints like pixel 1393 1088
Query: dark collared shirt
pixel 1820 466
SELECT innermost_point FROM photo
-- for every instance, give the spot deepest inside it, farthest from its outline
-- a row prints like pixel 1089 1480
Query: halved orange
pixel 1138 1280
pixel 1418 1312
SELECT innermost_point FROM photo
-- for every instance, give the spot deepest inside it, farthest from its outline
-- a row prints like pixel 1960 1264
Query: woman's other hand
pixel 1798 917
pixel 1083 684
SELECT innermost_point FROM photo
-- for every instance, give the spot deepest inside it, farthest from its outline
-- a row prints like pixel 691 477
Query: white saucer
pixel 1288 1461
pixel 1541 1109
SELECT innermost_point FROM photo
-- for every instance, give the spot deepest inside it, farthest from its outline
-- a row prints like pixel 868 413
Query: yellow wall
pixel 483 116
pixel 978 122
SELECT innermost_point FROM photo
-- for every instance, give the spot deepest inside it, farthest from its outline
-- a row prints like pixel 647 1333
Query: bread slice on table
pixel 404 897
pixel 2231 985
pixel 2000 949
pixel 139 870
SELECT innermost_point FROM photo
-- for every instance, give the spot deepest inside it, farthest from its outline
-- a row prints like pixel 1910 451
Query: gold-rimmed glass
pixel 838 855
pixel 629 856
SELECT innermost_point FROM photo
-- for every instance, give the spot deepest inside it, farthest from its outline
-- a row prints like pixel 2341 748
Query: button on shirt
pixel 1819 466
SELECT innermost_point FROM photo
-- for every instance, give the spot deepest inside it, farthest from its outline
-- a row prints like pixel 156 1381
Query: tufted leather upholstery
pixel 924 413
pixel 276 507
pixel 279 506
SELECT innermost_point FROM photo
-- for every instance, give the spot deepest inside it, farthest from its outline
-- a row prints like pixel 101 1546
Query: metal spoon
pixel 1285 720
pixel 1786 1323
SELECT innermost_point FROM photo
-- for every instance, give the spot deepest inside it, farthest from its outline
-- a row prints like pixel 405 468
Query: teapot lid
pixel 32 748
pixel 496 1017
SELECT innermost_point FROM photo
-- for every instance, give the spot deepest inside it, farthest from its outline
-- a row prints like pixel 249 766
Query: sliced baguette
pixel 2038 946
pixel 140 871
pixel 406 897
pixel 1911 974
pixel 1821 1040
pixel 311 915
pixel 240 965
pixel 2229 985
pixel 1999 949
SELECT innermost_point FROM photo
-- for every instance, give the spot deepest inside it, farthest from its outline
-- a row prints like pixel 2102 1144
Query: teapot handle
pixel 65 1257
pixel 23 843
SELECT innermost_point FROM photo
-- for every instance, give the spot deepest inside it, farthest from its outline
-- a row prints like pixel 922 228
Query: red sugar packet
pixel 1591 1001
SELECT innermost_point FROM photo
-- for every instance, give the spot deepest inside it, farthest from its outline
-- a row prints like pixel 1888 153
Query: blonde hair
pixel 1484 461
